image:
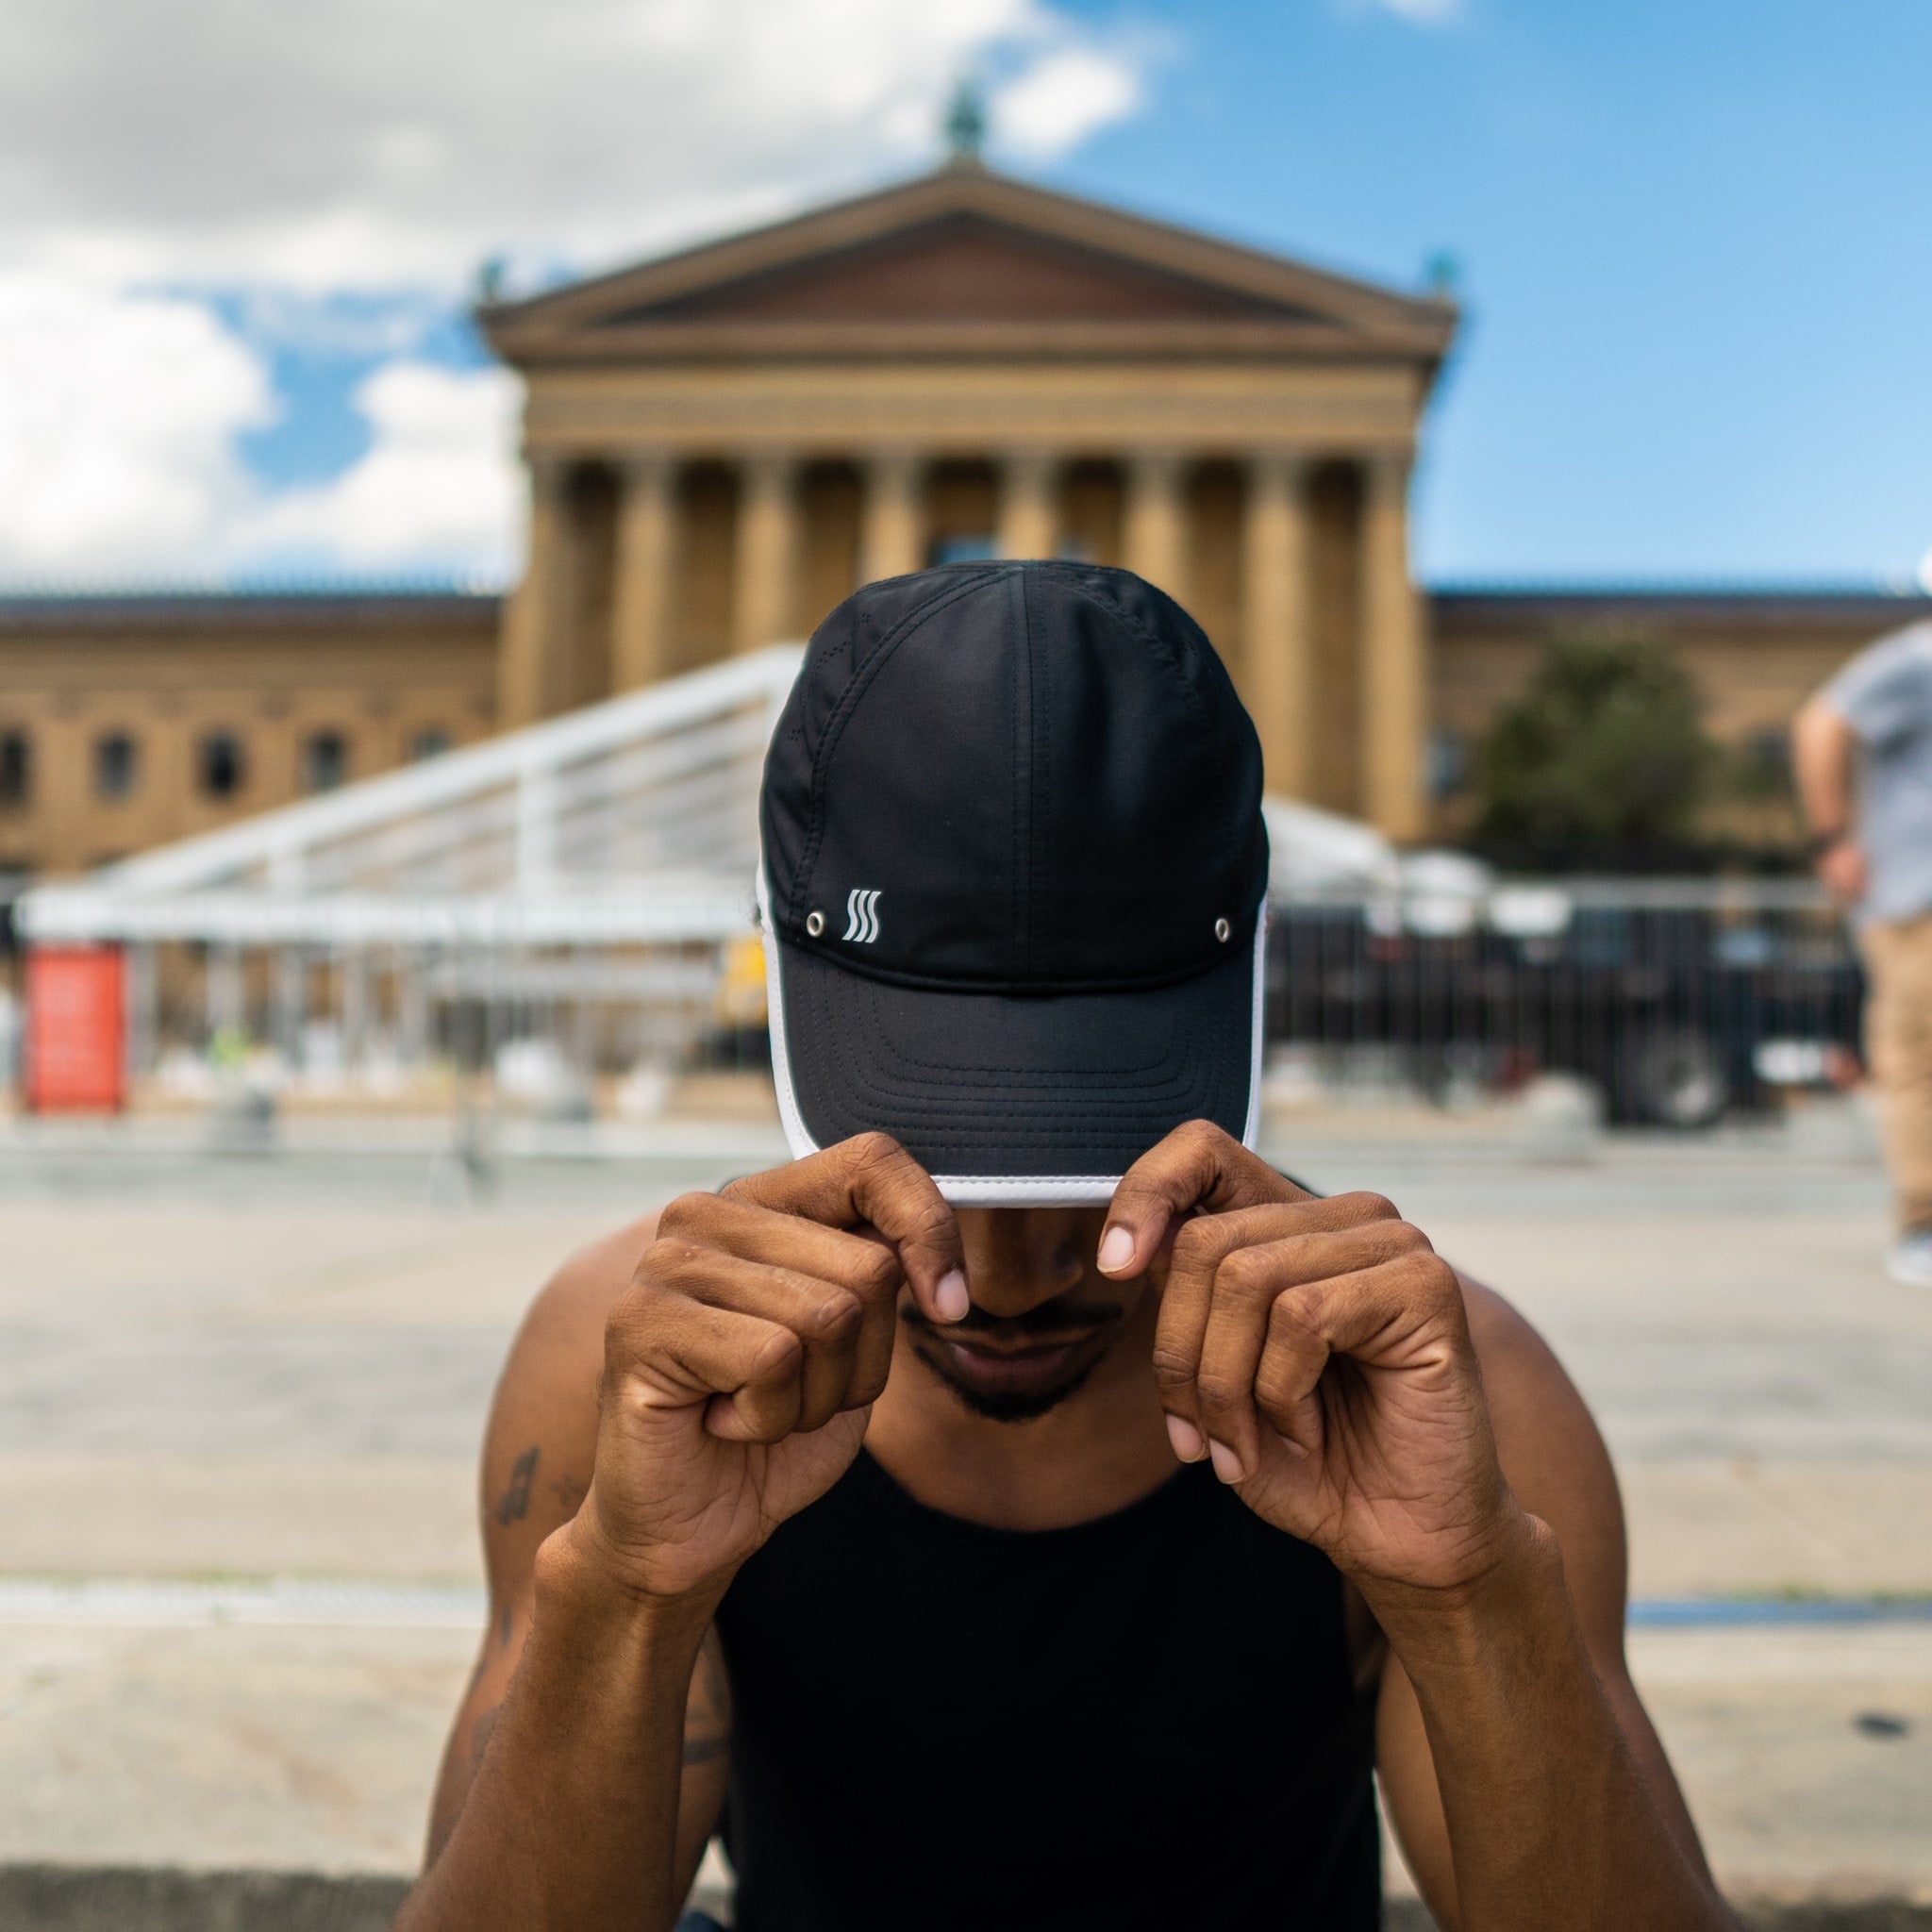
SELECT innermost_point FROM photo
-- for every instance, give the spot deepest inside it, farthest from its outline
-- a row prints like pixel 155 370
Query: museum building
pixel 723 442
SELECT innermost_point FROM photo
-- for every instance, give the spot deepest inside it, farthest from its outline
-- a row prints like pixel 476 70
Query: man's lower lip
pixel 1033 1369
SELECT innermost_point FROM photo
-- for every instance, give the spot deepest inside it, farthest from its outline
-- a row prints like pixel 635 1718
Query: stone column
pixel 891 540
pixel 1395 674
pixel 1029 516
pixel 764 595
pixel 1277 632
pixel 641 592
pixel 1156 535
pixel 537 620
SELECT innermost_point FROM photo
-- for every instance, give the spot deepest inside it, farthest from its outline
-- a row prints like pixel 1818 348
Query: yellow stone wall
pixel 271 671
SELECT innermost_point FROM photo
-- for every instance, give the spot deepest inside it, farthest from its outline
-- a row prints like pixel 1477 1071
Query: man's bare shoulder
pixel 1552 1452
pixel 544 1414
pixel 570 1308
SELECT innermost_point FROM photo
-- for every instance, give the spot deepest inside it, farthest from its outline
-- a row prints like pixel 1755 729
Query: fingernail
pixel 1227 1465
pixel 950 1297
pixel 1116 1250
pixel 1186 1439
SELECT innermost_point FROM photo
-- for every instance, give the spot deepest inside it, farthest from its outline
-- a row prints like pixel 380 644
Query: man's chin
pixel 1010 1388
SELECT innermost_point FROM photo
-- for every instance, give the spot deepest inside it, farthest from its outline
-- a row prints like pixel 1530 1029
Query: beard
pixel 1101 1322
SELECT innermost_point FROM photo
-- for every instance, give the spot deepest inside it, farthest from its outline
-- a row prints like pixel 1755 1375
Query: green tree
pixel 1603 760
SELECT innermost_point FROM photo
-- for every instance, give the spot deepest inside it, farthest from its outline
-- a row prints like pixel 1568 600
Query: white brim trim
pixel 796 1135
pixel 990 1191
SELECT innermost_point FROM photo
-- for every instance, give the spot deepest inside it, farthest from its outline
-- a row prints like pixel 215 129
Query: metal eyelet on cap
pixel 814 923
pixel 1221 929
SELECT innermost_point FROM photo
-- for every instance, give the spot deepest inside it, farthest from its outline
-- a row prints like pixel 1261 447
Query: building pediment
pixel 967 261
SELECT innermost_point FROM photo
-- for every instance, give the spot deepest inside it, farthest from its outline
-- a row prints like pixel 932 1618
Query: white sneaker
pixel 1909 1262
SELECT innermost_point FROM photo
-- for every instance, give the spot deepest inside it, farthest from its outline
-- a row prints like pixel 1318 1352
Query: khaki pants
pixel 1898 1044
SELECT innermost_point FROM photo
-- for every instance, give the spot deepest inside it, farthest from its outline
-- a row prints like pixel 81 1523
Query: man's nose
pixel 1018 1258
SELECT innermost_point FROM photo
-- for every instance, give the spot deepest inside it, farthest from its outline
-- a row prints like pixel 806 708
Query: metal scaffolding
pixel 595 866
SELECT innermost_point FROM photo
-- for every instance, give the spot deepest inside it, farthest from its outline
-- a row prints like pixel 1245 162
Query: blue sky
pixel 1694 250
pixel 1690 239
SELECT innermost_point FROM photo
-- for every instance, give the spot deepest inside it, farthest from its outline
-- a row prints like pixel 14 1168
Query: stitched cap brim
pixel 1013 1102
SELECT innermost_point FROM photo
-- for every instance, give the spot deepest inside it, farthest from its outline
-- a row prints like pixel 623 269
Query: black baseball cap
pixel 1014 880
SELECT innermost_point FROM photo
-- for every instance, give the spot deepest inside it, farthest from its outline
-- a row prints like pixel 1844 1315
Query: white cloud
pixel 119 415
pixel 1062 98
pixel 338 169
pixel 293 155
pixel 439 485
pixel 346 143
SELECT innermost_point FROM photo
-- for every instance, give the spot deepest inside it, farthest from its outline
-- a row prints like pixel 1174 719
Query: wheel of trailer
pixel 1674 1079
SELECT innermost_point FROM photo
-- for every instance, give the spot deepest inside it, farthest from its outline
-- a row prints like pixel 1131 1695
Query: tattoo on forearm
pixel 708 1711
pixel 514 1504
pixel 570 1491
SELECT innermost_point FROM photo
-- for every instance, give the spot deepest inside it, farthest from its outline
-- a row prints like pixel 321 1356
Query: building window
pixel 1448 764
pixel 222 770
pixel 16 770
pixel 1763 765
pixel 430 742
pixel 324 760
pixel 117 764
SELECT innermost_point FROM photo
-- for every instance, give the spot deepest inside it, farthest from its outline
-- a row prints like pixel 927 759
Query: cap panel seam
pixel 841 714
pixel 1020 903
pixel 1168 657
pixel 1046 829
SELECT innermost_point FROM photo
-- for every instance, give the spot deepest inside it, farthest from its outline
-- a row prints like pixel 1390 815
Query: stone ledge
pixel 84 1898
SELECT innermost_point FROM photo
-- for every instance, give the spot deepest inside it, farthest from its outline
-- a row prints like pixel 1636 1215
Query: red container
pixel 76 1021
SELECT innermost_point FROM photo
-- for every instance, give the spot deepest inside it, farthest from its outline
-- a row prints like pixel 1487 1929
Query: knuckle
pixel 1174 1367
pixel 1200 1136
pixel 773 1355
pixel 670 1257
pixel 684 1212
pixel 1246 1274
pixel 878 1271
pixel 835 1316
pixel 1196 1243
pixel 1290 1323
pixel 874 1148
pixel 1368 1207
pixel 1220 1388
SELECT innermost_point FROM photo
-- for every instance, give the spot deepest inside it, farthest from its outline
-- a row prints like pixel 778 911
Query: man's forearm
pixel 1552 1825
pixel 1821 768
pixel 573 1818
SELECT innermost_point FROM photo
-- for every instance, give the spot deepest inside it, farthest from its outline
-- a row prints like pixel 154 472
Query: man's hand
pixel 1319 1352
pixel 742 1363
pixel 1843 872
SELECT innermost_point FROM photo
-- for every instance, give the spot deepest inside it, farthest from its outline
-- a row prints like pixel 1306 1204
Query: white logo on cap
pixel 861 915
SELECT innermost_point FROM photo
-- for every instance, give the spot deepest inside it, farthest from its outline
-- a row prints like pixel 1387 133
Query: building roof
pixel 1455 604
pixel 967 261
pixel 203 609
pixel 1861 605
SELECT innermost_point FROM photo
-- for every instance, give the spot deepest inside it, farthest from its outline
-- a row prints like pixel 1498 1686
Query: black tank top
pixel 1147 1721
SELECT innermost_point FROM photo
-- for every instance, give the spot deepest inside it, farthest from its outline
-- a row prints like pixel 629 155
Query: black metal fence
pixel 1679 999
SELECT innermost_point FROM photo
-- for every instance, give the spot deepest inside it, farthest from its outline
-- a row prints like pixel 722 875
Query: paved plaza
pixel 224 1371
